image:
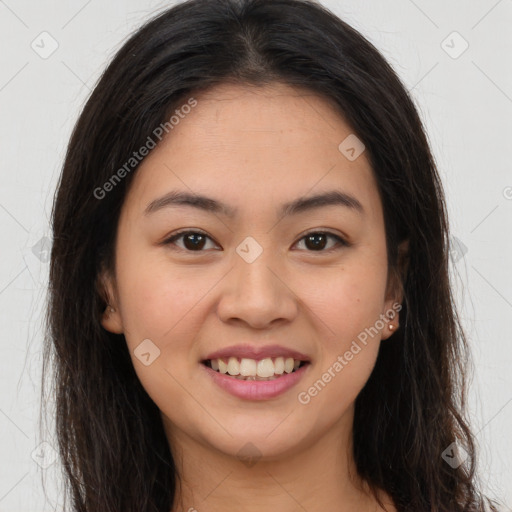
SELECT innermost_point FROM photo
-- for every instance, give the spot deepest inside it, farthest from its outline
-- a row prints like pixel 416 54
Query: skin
pixel 254 149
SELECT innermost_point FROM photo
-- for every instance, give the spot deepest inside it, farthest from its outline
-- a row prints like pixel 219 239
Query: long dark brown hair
pixel 114 451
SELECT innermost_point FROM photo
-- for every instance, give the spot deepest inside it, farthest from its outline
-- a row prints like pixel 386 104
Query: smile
pixel 253 386
pixel 255 370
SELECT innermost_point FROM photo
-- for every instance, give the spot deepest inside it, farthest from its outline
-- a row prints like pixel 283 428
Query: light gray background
pixel 466 103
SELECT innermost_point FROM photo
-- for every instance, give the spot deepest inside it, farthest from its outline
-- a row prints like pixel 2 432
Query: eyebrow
pixel 300 205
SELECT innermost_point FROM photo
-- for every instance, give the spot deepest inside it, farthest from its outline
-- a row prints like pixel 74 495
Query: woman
pixel 249 305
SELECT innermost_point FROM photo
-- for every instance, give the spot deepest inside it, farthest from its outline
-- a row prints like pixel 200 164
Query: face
pixel 246 275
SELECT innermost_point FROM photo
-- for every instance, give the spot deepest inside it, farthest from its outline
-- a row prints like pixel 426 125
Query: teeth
pixel 247 367
pixel 223 367
pixel 233 366
pixel 279 366
pixel 252 377
pixel 265 368
pixel 250 369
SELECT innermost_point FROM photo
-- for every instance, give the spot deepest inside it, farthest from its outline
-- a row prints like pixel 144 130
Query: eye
pixel 316 241
pixel 193 241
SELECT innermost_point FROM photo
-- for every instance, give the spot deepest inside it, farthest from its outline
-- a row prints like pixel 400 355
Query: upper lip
pixel 256 352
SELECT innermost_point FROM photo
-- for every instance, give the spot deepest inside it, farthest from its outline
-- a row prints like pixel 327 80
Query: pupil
pixel 194 245
pixel 313 237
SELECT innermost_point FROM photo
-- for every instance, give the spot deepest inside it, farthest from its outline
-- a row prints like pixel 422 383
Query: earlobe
pixel 111 317
pixel 391 326
pixel 395 291
pixel 111 320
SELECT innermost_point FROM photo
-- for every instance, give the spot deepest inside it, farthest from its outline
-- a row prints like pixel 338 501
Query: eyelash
pixel 341 242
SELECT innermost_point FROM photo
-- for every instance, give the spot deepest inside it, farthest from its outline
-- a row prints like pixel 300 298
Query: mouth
pixel 269 368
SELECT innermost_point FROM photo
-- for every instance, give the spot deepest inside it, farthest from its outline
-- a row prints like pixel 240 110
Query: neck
pixel 316 477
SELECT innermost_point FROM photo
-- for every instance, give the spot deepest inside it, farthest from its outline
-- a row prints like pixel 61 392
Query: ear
pixel 395 290
pixel 110 318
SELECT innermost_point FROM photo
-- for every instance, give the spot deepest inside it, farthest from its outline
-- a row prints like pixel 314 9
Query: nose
pixel 257 294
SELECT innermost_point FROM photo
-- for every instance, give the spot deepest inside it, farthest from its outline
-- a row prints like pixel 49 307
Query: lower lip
pixel 254 389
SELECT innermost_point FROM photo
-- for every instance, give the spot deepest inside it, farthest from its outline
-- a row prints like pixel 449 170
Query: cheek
pixel 162 305
pixel 158 300
pixel 349 305
pixel 348 299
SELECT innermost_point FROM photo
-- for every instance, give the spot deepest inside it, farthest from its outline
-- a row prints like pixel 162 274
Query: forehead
pixel 242 116
pixel 246 144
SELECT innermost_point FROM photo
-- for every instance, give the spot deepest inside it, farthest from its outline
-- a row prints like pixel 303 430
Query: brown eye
pixel 318 240
pixel 193 241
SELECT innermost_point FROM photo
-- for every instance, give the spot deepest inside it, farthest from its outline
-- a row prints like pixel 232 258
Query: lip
pixel 251 352
pixel 253 389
